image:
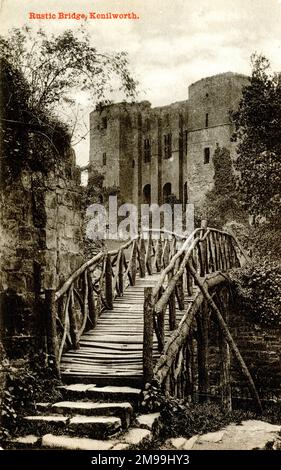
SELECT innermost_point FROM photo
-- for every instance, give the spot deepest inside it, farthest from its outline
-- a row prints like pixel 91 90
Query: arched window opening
pixel 167 191
pixel 147 194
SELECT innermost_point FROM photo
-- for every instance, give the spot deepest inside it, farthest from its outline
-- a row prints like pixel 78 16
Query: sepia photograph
pixel 140 230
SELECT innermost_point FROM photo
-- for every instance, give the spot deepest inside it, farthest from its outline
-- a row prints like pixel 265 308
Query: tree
pixel 258 133
pixel 28 140
pixel 58 66
pixel 223 203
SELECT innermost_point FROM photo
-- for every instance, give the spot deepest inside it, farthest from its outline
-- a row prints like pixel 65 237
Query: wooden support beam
pixel 51 328
pixel 189 367
pixel 180 293
pixel 134 263
pixel 161 329
pixel 166 253
pixel 108 283
pixel 91 301
pixel 73 327
pixel 120 273
pixel 228 337
pixel 203 352
pixel 159 255
pixel 142 258
pixel 148 335
pixel 148 260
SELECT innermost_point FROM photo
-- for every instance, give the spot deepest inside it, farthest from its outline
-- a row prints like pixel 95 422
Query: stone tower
pixel 150 153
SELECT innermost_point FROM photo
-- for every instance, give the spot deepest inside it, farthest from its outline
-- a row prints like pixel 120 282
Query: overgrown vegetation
pixel 31 139
pixel 247 202
pixel 28 381
pixel 181 418
pixel 257 291
pixel 42 78
pixel 57 67
pixel 258 136
pixel 223 203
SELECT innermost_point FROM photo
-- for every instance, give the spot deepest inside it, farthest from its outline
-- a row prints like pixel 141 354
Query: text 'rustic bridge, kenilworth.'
pixel 142 314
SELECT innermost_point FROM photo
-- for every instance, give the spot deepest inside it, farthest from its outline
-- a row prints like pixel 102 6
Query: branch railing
pixel 76 306
pixel 184 286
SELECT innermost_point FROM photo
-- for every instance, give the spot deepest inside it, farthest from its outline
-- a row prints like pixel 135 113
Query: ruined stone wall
pixel 105 139
pixel 202 121
pixel 260 348
pixel 41 245
pixel 210 102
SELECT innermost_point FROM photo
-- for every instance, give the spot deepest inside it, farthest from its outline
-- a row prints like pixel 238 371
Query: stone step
pixel 42 424
pixel 134 436
pixel 76 443
pixel 123 410
pixel 148 421
pixel 92 426
pixel 97 427
pixel 30 441
pixel 91 391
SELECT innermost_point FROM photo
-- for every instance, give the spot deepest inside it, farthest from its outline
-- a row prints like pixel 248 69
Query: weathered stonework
pixel 120 131
pixel 260 347
pixel 41 245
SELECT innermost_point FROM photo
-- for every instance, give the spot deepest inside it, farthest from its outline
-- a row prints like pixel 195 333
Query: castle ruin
pixel 150 153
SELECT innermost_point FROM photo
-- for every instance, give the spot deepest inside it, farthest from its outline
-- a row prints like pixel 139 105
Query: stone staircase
pixel 89 418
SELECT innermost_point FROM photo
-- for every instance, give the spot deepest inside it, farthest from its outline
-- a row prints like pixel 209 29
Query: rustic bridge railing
pixel 76 306
pixel 195 270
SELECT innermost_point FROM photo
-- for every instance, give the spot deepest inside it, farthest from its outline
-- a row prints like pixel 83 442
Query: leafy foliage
pixel 57 67
pixel 187 420
pixel 258 291
pixel 27 382
pixel 223 202
pixel 40 78
pixel 180 418
pixel 258 132
pixel 30 138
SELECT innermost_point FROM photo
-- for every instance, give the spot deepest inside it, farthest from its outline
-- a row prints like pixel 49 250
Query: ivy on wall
pixel 223 203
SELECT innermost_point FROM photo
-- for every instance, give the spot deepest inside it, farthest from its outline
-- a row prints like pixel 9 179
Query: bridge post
pixel 108 283
pixel 93 316
pixel 51 330
pixel 180 288
pixel 148 254
pixel 148 335
pixel 203 353
pixel 159 255
pixel 120 273
pixel 166 253
pixel 172 305
pixel 142 258
pixel 134 263
pixel 202 250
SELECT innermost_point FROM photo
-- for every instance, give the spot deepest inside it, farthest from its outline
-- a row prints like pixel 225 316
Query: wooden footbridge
pixel 141 313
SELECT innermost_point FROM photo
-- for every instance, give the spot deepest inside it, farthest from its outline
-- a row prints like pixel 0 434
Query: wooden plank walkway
pixel 112 352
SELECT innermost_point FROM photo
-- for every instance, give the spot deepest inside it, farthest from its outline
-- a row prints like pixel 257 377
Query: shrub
pixel 257 290
pixel 27 382
pixel 180 418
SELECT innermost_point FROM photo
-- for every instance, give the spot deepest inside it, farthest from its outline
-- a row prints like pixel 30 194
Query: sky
pixel 172 44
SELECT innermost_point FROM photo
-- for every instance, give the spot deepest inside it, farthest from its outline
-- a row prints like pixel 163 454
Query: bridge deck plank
pixel 114 348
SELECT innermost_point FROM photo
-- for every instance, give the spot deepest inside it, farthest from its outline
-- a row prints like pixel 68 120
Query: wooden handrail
pixel 205 252
pixel 91 288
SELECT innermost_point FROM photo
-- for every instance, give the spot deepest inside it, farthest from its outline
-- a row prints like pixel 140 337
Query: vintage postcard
pixel 140 204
